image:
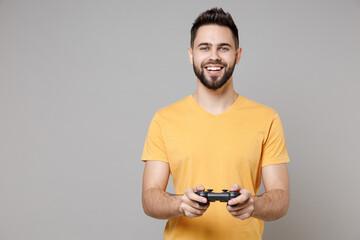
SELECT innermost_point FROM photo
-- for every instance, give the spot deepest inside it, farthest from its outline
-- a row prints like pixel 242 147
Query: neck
pixel 215 101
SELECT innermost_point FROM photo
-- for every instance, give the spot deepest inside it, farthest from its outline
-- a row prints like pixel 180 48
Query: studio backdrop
pixel 81 80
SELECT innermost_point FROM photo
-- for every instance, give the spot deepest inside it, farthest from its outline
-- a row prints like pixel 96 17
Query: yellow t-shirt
pixel 215 151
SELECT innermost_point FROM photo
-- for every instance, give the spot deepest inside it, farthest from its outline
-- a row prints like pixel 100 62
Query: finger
pixel 193 199
pixel 249 204
pixel 191 212
pixel 199 188
pixel 244 196
pixel 245 192
pixel 243 216
pixel 242 213
pixel 194 204
pixel 190 193
pixel 233 209
pixel 234 188
pixel 238 206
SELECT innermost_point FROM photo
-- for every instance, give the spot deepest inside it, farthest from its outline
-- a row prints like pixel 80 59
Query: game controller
pixel 211 196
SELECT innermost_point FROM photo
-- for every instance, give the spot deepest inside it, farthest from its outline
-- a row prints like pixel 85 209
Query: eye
pixel 204 48
pixel 224 49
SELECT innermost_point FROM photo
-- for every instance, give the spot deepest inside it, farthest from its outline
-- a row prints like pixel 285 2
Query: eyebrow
pixel 209 44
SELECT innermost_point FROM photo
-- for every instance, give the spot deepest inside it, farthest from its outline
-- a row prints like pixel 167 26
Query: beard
pixel 214 82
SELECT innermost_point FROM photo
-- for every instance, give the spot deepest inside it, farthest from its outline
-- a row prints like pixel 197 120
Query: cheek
pixel 199 59
pixel 198 62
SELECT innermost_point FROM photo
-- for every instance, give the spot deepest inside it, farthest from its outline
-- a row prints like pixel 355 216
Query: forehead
pixel 214 34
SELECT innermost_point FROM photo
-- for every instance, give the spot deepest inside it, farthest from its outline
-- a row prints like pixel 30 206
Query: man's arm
pixel 162 205
pixel 271 205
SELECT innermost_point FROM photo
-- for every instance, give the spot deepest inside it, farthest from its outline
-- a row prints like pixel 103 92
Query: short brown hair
pixel 215 16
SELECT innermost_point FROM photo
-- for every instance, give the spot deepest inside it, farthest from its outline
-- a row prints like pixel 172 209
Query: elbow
pixel 283 208
pixel 277 214
pixel 281 213
pixel 149 204
pixel 145 204
pixel 279 204
pixel 146 210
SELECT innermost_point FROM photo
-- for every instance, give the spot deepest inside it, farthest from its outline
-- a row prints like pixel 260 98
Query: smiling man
pixel 218 139
pixel 218 69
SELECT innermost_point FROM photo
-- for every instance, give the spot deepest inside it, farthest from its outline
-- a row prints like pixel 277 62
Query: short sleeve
pixel 274 148
pixel 154 148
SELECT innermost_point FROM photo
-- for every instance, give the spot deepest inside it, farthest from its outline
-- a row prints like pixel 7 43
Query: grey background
pixel 81 80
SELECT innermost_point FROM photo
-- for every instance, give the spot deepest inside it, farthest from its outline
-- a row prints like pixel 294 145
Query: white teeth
pixel 213 68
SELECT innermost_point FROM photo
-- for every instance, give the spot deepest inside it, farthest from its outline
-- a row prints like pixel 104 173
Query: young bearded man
pixel 218 139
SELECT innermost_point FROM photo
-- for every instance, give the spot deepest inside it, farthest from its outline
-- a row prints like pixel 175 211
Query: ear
pixel 238 55
pixel 190 52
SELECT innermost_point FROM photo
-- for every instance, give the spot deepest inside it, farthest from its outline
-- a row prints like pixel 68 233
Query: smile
pixel 214 68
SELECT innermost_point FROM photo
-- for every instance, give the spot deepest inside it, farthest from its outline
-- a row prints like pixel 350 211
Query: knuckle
pixel 251 209
pixel 183 199
pixel 193 214
pixel 183 208
pixel 188 191
pixel 198 213
pixel 244 216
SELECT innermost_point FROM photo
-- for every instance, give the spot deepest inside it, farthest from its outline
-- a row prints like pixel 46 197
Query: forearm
pixel 160 204
pixel 271 205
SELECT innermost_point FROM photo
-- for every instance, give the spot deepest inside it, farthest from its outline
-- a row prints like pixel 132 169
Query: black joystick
pixel 225 196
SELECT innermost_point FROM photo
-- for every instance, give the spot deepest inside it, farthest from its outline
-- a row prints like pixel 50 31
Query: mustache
pixel 216 62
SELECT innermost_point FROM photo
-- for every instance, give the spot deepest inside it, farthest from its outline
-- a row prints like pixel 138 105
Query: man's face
pixel 214 55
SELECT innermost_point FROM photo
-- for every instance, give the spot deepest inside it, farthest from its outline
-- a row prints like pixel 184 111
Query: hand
pixel 245 203
pixel 190 206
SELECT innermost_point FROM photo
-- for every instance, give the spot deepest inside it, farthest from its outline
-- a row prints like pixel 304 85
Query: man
pixel 216 139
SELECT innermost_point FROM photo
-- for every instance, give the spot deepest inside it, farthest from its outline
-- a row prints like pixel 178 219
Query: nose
pixel 214 55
